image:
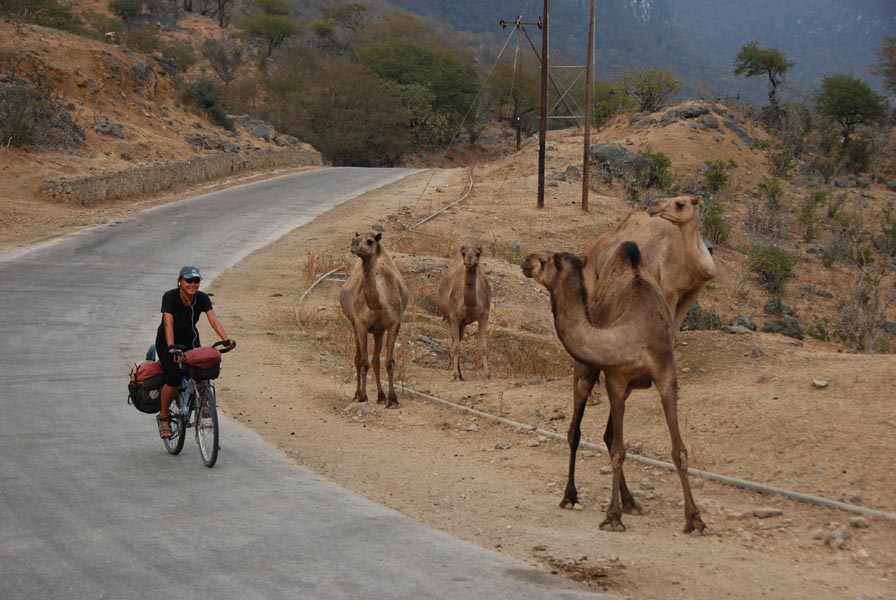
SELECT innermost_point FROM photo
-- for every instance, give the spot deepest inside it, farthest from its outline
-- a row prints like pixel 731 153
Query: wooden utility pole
pixel 588 75
pixel 543 121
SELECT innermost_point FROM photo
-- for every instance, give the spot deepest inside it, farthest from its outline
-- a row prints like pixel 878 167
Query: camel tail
pixel 631 252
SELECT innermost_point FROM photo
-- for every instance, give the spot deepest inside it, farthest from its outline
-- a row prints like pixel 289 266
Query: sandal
pixel 164 427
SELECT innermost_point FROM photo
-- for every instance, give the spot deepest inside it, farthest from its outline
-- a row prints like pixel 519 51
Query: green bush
pixel 204 95
pixel 714 226
pixel 820 328
pixel 657 172
pixel 774 266
pixel 717 173
pixel 142 39
pixel 126 9
pixel 856 155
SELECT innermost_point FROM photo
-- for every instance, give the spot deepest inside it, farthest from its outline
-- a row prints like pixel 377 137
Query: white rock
pixel 820 384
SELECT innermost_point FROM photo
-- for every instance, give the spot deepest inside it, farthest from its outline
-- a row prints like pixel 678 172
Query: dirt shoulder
pixel 758 418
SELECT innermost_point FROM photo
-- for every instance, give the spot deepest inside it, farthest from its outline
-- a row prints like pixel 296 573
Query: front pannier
pixel 145 386
pixel 204 363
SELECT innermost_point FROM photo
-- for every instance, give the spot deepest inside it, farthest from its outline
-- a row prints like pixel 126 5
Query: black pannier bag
pixel 145 386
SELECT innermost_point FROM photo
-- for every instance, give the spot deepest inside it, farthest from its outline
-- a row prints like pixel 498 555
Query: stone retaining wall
pixel 152 179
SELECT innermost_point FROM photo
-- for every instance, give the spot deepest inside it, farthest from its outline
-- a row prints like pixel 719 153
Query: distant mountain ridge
pixel 696 39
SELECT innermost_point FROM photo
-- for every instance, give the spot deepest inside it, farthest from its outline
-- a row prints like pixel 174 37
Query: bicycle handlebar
pixel 223 344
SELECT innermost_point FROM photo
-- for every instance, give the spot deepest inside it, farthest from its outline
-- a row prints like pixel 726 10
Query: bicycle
pixel 195 406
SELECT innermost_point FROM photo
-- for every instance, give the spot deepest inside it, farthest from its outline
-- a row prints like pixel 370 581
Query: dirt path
pixel 755 418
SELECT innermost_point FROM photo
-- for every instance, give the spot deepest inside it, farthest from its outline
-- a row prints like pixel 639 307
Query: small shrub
pixel 203 95
pixel 856 155
pixel 887 242
pixel 714 226
pixel 657 173
pixel 699 319
pixel 820 328
pixel 774 266
pixel 142 39
pixel 780 163
pixel 181 54
pixel 808 216
pixel 717 173
pixel 126 10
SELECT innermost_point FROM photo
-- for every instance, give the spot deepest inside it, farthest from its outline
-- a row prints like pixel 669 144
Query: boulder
pixel 786 325
pixel 617 160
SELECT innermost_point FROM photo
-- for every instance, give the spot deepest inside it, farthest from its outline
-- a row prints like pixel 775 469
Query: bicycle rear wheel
pixel 175 443
pixel 207 426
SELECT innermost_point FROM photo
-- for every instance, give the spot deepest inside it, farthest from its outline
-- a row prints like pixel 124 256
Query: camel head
pixel 365 245
pixel 678 210
pixel 548 268
pixel 471 255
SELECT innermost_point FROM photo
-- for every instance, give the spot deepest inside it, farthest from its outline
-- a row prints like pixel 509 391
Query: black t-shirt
pixel 185 318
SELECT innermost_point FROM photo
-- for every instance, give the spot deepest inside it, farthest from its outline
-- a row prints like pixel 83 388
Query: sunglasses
pixel 193 280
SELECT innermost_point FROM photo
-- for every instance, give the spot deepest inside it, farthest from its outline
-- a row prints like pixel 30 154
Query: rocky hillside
pixel 100 110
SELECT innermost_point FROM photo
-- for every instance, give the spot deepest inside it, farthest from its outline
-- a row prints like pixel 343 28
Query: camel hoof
pixel 572 506
pixel 393 404
pixel 381 398
pixel 361 398
pixel 612 525
pixel 697 527
pixel 632 508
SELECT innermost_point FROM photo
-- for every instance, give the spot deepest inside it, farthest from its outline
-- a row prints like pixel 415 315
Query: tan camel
pixel 630 340
pixel 374 299
pixel 668 234
pixel 672 248
pixel 464 296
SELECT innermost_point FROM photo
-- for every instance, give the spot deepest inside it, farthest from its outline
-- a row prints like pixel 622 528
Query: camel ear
pixel 357 234
pixel 695 200
pixel 378 236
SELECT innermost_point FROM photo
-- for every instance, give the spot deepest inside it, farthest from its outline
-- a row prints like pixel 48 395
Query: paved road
pixel 91 505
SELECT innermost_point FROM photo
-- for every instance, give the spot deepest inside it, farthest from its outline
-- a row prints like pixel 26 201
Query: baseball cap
pixel 188 272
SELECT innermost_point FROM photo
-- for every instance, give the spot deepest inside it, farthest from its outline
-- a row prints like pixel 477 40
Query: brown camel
pixel 464 296
pixel 672 249
pixel 629 338
pixel 374 298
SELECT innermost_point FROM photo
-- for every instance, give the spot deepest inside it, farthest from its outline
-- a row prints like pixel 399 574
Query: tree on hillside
pixel 49 13
pixel 342 109
pixel 452 83
pixel 650 88
pixel 348 16
pixel 850 102
pixel 771 62
pixel 225 58
pixel 886 63
pixel 269 26
pixel 514 97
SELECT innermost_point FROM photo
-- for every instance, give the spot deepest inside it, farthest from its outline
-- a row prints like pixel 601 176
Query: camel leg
pixel 377 352
pixel 616 392
pixel 629 504
pixel 681 309
pixel 483 347
pixel 457 333
pixel 391 338
pixel 362 364
pixel 583 380
pixel 669 393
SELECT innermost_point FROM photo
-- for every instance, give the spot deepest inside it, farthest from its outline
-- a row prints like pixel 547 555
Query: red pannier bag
pixel 145 386
pixel 204 362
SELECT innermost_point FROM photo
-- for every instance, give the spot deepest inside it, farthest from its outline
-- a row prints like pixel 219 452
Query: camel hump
pixel 631 252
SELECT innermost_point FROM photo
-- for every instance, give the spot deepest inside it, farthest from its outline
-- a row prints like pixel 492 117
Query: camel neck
pixel 470 286
pixel 369 287
pixel 590 345
pixel 701 259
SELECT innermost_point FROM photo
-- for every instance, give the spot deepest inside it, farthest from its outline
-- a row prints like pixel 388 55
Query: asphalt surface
pixel 91 504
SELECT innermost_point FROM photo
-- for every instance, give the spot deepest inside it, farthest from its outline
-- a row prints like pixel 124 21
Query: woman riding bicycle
pixel 181 308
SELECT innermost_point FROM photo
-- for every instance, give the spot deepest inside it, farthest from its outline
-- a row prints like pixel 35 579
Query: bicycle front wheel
pixel 207 426
pixel 175 443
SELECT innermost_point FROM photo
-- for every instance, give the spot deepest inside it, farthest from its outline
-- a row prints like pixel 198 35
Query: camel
pixel 374 299
pixel 629 338
pixel 672 249
pixel 464 296
pixel 668 234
